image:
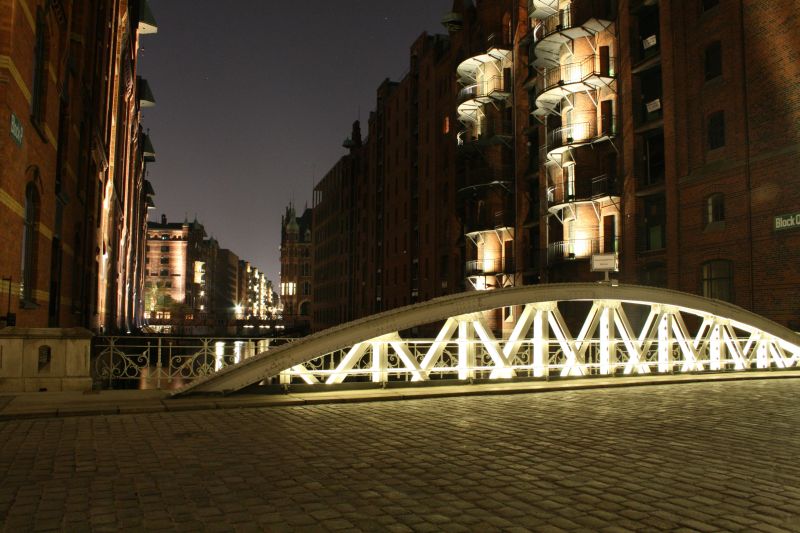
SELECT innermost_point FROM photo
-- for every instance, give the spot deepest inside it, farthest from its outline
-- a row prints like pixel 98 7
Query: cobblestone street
pixel 699 457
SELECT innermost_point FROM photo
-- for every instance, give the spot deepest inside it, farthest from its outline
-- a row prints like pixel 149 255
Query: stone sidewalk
pixel 110 402
pixel 722 455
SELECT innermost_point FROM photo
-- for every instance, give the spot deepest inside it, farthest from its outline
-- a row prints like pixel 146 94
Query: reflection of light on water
pixel 220 353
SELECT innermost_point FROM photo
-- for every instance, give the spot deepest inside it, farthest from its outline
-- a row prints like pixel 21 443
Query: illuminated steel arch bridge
pixel 623 329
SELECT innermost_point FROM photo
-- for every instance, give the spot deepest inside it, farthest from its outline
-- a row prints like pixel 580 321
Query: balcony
pixel 479 180
pixel 591 73
pixel 487 134
pixel 497 53
pixel 485 222
pixel 472 97
pixel 572 135
pixel 580 190
pixel 561 251
pixel 582 18
pixel 486 267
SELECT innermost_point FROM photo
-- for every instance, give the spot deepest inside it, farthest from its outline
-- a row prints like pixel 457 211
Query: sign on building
pixel 788 221
pixel 604 263
pixel 16 129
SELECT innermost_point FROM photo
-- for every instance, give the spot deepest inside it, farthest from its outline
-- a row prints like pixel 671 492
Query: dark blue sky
pixel 254 98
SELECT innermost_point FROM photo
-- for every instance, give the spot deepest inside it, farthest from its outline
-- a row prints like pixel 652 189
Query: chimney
pixel 163 219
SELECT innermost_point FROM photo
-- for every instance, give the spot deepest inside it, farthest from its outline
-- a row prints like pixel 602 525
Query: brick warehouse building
pixel 73 197
pixel 297 266
pixel 536 134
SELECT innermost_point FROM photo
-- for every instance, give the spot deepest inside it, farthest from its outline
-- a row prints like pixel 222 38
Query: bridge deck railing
pixel 161 362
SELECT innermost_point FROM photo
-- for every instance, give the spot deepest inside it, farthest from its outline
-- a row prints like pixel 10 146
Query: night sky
pixel 254 99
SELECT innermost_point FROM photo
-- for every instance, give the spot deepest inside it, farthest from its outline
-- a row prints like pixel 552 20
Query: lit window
pixel 446 128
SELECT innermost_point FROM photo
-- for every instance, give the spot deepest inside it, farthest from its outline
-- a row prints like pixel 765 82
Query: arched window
pixel 305 309
pixel 717 279
pixel 30 244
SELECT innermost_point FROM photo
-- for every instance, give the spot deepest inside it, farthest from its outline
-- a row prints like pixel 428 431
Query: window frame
pixel 710 278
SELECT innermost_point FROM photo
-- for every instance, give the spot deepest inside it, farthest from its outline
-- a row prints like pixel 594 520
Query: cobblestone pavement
pixel 699 457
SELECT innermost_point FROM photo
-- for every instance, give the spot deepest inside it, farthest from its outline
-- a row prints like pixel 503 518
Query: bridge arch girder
pixel 767 340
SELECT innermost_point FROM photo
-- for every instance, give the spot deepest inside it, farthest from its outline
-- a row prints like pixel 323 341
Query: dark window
pixel 716 130
pixel 718 279
pixel 713 60
pixel 165 260
pixel 30 243
pixel 654 162
pixel 164 273
pixel 708 4
pixel 165 248
pixel 715 208
pixel 654 226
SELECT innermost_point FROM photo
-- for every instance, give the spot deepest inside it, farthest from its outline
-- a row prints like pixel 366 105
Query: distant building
pixel 256 298
pixel 296 270
pixel 224 292
pixel 333 239
pixel 179 264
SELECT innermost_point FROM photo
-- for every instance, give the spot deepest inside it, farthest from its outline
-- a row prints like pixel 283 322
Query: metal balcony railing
pixel 604 185
pixel 580 189
pixel 581 132
pixel 572 249
pixel 489 267
pixel 593 65
pixel 485 131
pixel 477 222
pixel 496 85
pixel 575 14
pixel 475 178
pixel 557 21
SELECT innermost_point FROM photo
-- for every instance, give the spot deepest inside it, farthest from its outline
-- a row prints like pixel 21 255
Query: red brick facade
pixel 73 197
pixel 539 133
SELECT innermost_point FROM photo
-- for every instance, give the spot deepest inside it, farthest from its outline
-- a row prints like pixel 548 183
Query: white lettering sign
pixel 604 263
pixel 784 222
pixel 653 105
pixel 16 129
pixel 649 42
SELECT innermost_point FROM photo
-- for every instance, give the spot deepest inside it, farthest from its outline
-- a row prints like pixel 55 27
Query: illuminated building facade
pixel 179 258
pixel 687 162
pixel 73 198
pixel 297 264
pixel 256 298
pixel 539 133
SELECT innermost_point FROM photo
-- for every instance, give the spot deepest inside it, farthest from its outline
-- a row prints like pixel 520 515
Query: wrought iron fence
pixel 156 362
